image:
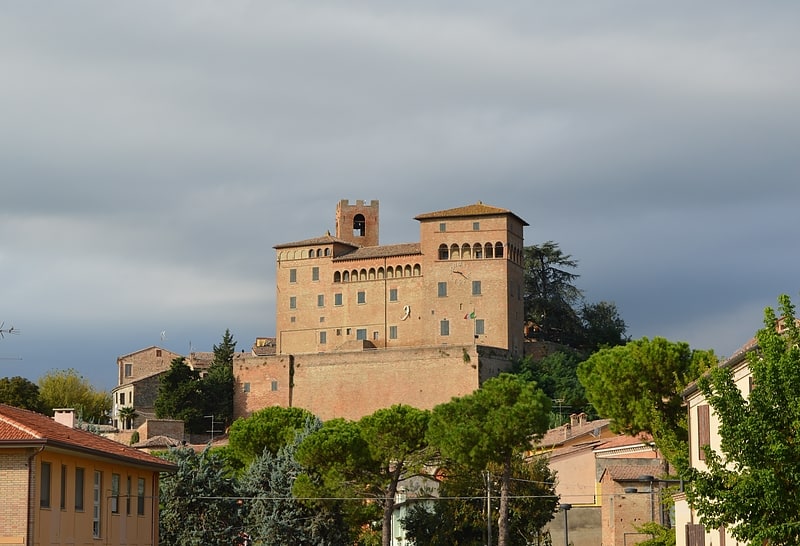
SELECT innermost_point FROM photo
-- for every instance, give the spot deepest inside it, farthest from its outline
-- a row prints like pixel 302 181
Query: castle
pixel 361 326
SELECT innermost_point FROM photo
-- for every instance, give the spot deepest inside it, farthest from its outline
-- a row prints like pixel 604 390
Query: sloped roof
pixel 562 434
pixel 326 239
pixel 477 209
pixel 144 350
pixel 19 427
pixel 634 472
pixel 381 251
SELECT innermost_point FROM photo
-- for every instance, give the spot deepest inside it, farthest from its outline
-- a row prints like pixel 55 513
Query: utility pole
pixel 488 508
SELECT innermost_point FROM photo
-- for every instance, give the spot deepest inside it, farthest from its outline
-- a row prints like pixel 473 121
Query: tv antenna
pixel 10 330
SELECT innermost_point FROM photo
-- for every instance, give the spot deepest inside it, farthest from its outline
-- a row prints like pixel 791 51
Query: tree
pixel 69 389
pixel 368 458
pixel 127 415
pixel 638 386
pixel 268 429
pixel 20 392
pixel 396 440
pixel 272 515
pixel 556 374
pixel 459 516
pixel 218 383
pixel 490 426
pixel 602 326
pixel 198 503
pixel 180 396
pixel 752 485
pixel 550 293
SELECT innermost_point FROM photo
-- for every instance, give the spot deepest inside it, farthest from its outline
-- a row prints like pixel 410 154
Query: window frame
pixel 441 289
pixel 46 476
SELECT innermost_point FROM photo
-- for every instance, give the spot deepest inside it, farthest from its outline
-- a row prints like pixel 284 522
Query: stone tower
pixel 357 223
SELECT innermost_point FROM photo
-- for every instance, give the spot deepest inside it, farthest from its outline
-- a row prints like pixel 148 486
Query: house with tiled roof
pixel 61 485
pixel 362 325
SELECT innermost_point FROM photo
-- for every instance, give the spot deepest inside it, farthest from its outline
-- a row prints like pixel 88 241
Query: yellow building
pixel 60 485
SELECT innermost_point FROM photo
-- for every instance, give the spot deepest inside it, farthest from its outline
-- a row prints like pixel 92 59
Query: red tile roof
pixel 20 427
pixel 478 209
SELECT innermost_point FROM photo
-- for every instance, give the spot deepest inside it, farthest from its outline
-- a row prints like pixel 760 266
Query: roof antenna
pixel 9 330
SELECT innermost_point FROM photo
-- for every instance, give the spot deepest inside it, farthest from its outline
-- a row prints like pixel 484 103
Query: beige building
pixel 360 325
pixel 703 431
pixel 62 486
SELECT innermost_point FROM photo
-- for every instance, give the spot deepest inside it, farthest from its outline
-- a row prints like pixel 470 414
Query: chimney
pixel 65 416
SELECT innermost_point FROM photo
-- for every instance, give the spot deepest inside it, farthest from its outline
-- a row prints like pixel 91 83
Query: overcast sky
pixel 153 153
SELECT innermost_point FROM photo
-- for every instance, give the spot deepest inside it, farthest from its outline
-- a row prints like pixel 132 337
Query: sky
pixel 152 153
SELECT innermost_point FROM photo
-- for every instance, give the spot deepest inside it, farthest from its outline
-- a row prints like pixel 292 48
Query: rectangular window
pixel 274 385
pixel 128 497
pixel 393 294
pixel 376 335
pixel 476 288
pixel 78 489
pixel 158 352
pixel 703 430
pixel 362 297
pixel 115 493
pixel 315 273
pixel 122 399
pixel 323 338
pixel 140 497
pixel 320 300
pixel 44 486
pixel 444 327
pixel 292 275
pixel 292 302
pixel 476 226
pixel 128 370
pixel 392 332
pixel 337 299
pixel 479 327
pixel 63 498
pixel 442 289
pixel 442 227
pixel 97 502
pixel 246 387
pixel 361 333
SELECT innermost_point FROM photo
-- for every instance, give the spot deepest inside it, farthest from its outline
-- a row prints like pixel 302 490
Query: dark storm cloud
pixel 153 153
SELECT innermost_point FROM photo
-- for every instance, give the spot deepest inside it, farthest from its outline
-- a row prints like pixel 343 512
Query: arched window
pixel 454 253
pixel 398 271
pixel 359 225
pixel 381 273
pixel 337 277
pixel 319 253
pixel 346 276
pixel 327 251
pixel 498 250
pixel 417 270
pixel 304 253
pixel 390 272
pixel 407 271
pixel 466 251
pixel 354 275
pixel 477 251
pixel 444 254
pixel 362 275
pixel 371 273
pixel 489 250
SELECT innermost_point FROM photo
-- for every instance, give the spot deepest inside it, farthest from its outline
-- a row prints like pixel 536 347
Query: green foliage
pixel 272 515
pixel 555 305
pixel 752 485
pixel 557 375
pixel 68 389
pixel 459 517
pixel 134 437
pixel 660 535
pixel 490 426
pixel 180 395
pixel 127 414
pixel 550 295
pixel 217 385
pixel 638 386
pixel 21 393
pixel 198 503
pixel 268 429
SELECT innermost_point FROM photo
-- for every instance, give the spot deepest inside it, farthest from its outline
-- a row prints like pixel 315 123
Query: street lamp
pixel 565 508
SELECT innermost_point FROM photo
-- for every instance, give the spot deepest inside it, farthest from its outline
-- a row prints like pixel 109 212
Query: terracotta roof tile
pixel 478 209
pixel 632 472
pixel 382 251
pixel 19 426
pixel 557 436
pixel 326 239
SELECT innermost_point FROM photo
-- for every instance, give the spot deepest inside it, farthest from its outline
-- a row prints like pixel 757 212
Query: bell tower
pixel 357 223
